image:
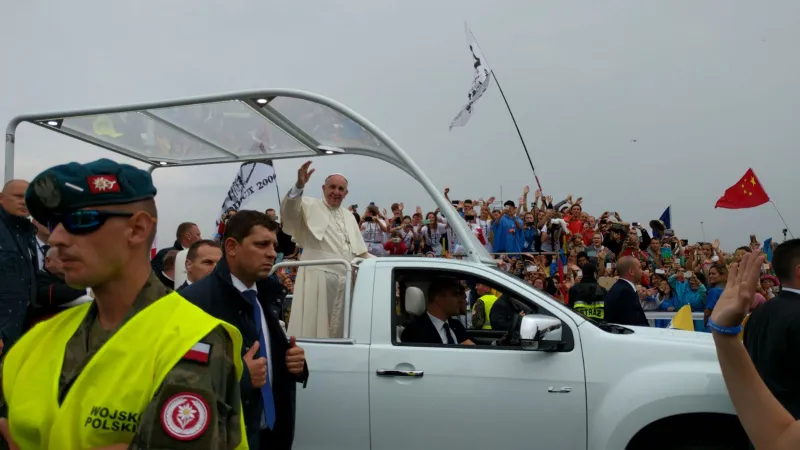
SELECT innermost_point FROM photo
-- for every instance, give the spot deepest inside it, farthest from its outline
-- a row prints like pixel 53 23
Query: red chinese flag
pixel 746 193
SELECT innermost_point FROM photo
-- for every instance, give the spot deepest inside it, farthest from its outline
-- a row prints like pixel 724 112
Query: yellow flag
pixel 744 322
pixel 682 319
pixel 104 126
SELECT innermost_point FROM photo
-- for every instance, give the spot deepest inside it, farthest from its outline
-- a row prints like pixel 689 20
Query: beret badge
pixel 46 188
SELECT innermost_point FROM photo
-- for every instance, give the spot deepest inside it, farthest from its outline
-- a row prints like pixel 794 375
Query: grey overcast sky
pixel 708 88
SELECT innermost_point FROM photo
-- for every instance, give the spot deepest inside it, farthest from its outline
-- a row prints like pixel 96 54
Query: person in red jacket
pixel 395 245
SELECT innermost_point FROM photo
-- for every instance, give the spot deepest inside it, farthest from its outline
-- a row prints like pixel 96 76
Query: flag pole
pixel 508 107
pixel 773 205
pixel 782 219
pixel 514 120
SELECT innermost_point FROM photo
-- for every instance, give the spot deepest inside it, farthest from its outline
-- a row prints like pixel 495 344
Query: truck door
pixel 437 396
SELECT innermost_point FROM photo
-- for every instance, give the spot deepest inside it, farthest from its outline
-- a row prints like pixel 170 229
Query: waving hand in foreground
pixel 767 423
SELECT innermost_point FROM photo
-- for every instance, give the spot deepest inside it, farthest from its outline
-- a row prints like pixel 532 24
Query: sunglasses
pixel 84 221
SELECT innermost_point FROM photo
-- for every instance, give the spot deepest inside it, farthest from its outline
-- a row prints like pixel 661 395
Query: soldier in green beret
pixel 136 368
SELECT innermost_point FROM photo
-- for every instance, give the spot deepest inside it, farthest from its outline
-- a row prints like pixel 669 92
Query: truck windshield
pixel 603 325
pixel 533 291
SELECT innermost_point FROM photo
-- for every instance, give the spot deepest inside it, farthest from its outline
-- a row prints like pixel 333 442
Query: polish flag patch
pixel 198 353
pixel 102 184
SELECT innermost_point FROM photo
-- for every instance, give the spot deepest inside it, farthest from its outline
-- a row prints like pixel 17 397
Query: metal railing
pixel 348 281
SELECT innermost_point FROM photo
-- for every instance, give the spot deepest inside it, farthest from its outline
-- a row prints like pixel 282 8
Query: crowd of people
pixel 563 250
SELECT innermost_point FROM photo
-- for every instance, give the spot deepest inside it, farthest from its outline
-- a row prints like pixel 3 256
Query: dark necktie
pixel 450 340
pixel 45 249
pixel 266 390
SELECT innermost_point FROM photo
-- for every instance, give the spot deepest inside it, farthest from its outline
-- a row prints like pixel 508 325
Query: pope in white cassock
pixel 324 230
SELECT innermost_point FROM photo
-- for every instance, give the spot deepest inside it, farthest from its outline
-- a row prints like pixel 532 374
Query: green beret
pixel 70 187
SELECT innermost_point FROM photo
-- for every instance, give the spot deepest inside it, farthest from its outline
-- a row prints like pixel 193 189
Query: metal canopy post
pixel 368 141
pixel 10 137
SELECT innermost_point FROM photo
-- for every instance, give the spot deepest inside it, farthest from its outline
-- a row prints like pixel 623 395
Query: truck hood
pixel 666 334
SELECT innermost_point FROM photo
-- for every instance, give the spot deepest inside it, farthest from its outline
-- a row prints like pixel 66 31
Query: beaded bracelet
pixel 733 331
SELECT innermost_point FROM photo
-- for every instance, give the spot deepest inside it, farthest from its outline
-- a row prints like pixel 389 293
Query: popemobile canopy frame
pixel 238 127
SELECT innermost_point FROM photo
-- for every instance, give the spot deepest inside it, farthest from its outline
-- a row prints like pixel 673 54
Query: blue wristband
pixel 732 331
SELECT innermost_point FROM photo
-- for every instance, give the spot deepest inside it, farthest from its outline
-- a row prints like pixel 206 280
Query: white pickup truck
pixel 568 382
pixel 571 383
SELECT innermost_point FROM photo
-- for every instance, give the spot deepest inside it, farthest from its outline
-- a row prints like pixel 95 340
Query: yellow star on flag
pixel 753 180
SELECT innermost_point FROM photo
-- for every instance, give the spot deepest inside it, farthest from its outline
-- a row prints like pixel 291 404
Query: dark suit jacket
pixel 216 295
pixel 772 338
pixel 157 263
pixel 52 292
pixel 622 305
pixel 185 284
pixel 421 331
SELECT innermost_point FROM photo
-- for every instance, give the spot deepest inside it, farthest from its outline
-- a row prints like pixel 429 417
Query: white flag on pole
pixel 480 81
pixel 252 178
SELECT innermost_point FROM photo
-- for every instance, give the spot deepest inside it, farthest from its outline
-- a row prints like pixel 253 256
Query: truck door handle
pixel 399 373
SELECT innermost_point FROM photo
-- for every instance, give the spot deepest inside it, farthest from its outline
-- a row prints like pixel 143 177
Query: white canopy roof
pixel 237 127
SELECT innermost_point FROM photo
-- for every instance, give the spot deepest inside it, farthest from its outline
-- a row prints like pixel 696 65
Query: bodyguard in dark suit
pixel 622 304
pixel 239 292
pixel 446 298
pixel 772 335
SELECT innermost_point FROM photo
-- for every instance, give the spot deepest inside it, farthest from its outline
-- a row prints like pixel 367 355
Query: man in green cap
pixel 135 368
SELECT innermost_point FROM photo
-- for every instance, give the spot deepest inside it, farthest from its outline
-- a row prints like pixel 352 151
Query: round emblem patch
pixel 185 416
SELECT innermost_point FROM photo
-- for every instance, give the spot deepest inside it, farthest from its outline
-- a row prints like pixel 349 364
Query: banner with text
pixel 253 178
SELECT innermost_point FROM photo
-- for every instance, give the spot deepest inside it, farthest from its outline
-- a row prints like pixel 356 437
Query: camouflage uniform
pixel 215 381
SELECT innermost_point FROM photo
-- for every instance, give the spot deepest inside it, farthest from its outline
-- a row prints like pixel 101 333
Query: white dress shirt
pixel 238 284
pixel 439 325
pixel 39 252
pixel 796 291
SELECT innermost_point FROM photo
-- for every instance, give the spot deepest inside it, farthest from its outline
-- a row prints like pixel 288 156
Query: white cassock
pixel 322 232
pixel 180 268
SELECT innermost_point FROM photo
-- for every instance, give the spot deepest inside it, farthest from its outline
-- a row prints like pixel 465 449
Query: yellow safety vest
pixel 104 404
pixel 595 310
pixel 488 300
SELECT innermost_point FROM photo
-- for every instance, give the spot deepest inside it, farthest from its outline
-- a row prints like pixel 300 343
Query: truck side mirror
pixel 540 333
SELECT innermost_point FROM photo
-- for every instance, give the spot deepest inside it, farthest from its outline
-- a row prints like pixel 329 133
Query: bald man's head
pixel 630 269
pixel 12 198
pixel 335 190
